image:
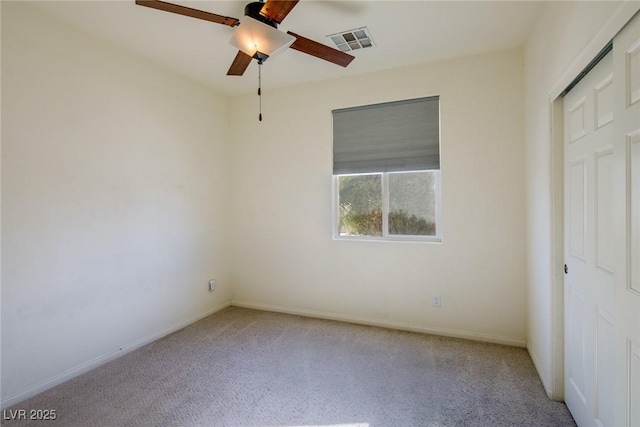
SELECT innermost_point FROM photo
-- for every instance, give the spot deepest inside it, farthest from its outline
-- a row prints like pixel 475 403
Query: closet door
pixel 626 60
pixel 589 246
pixel 602 238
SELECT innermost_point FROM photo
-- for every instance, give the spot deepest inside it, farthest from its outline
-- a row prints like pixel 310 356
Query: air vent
pixel 346 41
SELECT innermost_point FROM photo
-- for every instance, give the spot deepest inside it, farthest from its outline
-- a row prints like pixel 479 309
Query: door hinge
pixel 566 269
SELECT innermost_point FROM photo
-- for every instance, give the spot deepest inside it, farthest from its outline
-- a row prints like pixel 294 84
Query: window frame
pixel 386 237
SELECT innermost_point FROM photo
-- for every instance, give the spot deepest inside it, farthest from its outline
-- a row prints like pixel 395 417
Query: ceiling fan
pixel 257 36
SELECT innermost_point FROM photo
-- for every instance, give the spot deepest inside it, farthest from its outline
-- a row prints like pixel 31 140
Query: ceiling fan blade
pixel 320 50
pixel 277 10
pixel 240 64
pixel 187 11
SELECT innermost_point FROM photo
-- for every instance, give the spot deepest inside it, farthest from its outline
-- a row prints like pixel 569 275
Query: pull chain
pixel 260 88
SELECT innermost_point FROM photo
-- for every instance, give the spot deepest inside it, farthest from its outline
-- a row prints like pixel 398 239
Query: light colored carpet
pixel 243 367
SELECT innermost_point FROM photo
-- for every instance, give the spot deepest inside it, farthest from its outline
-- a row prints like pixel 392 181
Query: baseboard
pixel 546 381
pixel 107 357
pixel 384 323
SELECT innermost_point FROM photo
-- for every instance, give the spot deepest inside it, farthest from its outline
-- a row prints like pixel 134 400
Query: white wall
pixel 284 255
pixel 566 37
pixel 115 197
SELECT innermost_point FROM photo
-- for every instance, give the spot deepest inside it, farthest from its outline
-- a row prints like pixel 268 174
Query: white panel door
pixel 589 247
pixel 626 199
pixel 602 238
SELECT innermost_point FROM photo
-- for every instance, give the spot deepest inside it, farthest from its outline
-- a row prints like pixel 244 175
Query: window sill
pixel 392 239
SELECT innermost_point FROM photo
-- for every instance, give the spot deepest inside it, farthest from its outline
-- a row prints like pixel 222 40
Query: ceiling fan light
pixel 253 36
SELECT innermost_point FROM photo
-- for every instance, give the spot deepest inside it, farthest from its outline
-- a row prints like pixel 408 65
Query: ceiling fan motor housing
pixel 253 10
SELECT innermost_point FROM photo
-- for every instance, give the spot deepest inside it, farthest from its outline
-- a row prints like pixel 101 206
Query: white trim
pixel 107 357
pixel 546 380
pixel 394 238
pixel 455 333
pixel 555 382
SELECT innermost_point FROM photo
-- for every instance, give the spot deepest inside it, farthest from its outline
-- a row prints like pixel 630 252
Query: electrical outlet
pixel 212 285
pixel 436 301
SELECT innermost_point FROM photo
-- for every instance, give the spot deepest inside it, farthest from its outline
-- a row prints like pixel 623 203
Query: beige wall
pixel 566 37
pixel 284 256
pixel 114 201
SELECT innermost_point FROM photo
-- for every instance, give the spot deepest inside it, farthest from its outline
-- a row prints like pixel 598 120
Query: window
pixel 386 166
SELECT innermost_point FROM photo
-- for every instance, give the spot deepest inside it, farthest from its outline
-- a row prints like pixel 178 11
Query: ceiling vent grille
pixel 346 41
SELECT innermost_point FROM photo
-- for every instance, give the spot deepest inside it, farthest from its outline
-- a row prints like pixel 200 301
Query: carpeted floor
pixel 243 367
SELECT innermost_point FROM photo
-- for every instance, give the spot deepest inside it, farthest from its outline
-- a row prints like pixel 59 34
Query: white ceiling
pixel 405 32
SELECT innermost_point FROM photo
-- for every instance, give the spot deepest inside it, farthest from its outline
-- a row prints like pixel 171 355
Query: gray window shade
pixel 388 137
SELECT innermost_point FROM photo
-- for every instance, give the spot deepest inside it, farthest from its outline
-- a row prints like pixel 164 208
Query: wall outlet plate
pixel 212 285
pixel 436 301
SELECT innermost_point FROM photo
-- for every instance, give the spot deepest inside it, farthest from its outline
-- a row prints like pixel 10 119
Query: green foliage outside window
pixel 411 204
pixel 361 205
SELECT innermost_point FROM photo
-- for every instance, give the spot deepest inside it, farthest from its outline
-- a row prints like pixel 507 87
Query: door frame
pixel 614 24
